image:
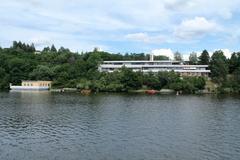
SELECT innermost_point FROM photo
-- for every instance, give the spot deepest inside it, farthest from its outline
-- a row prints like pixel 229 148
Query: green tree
pixel 63 50
pixel 4 79
pixel 129 79
pixel 178 56
pixel 61 80
pixel 234 62
pixel 197 82
pixel 204 58
pixel 53 49
pixel 15 45
pixel 19 69
pixel 92 63
pixel 85 84
pixel 177 86
pixel 41 73
pixel 193 59
pixel 218 67
pixel 46 49
pixel 236 76
pixel 32 48
pixel 188 84
pixel 161 57
pixel 152 81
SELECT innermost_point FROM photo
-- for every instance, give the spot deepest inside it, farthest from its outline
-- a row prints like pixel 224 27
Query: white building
pixel 156 66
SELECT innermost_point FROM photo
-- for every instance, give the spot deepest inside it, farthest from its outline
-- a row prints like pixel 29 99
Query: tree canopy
pixel 178 56
pixel 193 59
pixel 204 58
pixel 219 66
pixel 69 69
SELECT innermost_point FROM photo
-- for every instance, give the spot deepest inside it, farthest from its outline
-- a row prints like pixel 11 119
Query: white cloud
pixel 144 37
pixel 40 41
pixel 86 23
pixel 45 38
pixel 215 8
pixel 163 52
pixel 195 28
pixel 185 57
pixel 178 4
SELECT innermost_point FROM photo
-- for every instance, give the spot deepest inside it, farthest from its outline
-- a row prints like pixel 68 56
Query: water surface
pixel 43 125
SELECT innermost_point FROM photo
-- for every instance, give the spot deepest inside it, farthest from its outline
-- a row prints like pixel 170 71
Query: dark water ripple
pixel 124 127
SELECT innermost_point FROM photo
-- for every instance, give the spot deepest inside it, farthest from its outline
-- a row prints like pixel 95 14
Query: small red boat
pixel 151 92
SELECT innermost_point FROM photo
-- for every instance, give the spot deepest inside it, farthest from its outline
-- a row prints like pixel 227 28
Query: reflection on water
pixel 44 125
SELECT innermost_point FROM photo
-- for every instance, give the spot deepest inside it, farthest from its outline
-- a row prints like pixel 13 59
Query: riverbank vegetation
pixel 126 80
pixel 70 70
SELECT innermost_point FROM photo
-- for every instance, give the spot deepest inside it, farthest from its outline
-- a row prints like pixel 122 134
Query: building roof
pixel 139 61
pixel 34 81
pixel 150 66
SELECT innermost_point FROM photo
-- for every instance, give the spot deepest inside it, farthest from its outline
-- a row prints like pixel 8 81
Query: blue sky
pixel 123 26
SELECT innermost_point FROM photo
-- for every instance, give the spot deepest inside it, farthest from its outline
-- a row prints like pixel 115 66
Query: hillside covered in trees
pixel 69 69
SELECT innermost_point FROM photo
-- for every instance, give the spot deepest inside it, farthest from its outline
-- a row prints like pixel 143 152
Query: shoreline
pixel 140 91
pixel 129 93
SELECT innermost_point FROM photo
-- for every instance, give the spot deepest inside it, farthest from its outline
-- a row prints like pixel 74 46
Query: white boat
pixel 32 85
pixel 29 88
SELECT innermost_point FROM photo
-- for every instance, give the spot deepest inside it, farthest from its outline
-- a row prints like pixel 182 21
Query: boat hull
pixel 29 88
pixel 151 92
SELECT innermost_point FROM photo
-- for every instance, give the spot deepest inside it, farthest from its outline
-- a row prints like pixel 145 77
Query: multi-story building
pixel 156 66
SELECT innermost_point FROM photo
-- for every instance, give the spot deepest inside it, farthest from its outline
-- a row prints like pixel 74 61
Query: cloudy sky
pixel 123 26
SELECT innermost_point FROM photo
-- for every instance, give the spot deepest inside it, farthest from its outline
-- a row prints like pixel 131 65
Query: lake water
pixel 55 126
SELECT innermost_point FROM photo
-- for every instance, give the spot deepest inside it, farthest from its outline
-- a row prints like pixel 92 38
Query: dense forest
pixel 70 70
